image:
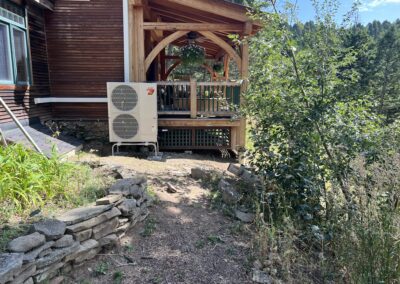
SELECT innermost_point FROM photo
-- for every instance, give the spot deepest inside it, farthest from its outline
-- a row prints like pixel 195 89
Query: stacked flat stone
pixel 56 246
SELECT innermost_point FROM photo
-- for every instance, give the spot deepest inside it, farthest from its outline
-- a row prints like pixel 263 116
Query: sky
pixel 370 10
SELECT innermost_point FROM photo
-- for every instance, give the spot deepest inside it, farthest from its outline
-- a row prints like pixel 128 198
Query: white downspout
pixel 126 40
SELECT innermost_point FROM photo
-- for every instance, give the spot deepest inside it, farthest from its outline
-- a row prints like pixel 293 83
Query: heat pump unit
pixel 132 112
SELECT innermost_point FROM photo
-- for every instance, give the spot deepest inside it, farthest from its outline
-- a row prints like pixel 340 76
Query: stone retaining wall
pixel 54 247
pixel 85 130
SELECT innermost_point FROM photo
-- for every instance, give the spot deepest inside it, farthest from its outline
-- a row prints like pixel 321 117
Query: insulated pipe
pixel 20 126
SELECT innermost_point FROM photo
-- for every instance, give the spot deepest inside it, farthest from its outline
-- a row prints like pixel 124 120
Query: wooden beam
pixel 162 26
pixel 138 73
pixel 225 46
pixel 166 41
pixel 43 4
pixel 206 122
pixel 193 98
pixel 216 7
pixel 172 68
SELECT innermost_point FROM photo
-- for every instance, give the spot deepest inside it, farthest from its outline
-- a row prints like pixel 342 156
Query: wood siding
pixel 21 99
pixel 85 43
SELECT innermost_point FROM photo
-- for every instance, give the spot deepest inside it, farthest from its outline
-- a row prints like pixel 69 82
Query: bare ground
pixel 183 240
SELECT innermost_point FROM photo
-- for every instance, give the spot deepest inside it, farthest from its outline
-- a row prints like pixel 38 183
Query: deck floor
pixel 44 139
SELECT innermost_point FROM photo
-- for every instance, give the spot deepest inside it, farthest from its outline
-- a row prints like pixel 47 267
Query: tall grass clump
pixel 29 181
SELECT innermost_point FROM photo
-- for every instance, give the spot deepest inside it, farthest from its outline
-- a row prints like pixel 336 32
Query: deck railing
pixel 198 98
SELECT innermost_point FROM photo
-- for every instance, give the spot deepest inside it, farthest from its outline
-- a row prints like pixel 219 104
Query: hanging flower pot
pixel 192 54
pixel 218 67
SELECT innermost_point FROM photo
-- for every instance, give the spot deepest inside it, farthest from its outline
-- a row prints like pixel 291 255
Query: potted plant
pixel 192 54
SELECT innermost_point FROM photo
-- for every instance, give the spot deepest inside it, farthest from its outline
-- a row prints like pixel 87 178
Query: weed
pixel 149 227
pixel 129 247
pixel 200 244
pixel 118 276
pixel 101 269
pixel 7 233
pixel 213 239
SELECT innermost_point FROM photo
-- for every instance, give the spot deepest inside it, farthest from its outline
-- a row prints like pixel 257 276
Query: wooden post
pixel 137 49
pixel 193 98
pixel 163 65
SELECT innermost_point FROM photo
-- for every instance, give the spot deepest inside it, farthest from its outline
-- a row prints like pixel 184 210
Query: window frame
pixel 11 26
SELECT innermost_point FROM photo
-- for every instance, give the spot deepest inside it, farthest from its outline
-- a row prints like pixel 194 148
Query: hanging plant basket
pixel 218 67
pixel 192 54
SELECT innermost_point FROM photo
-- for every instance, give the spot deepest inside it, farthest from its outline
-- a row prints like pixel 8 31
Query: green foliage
pixel 30 181
pixel 314 110
pixel 118 276
pixel 101 269
pixel 192 55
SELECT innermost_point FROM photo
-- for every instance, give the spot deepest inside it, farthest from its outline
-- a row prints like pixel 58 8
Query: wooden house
pixel 56 57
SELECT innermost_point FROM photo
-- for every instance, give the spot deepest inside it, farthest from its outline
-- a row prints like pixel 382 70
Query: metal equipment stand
pixel 154 144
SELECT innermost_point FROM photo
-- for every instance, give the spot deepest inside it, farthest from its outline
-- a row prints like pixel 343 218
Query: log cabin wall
pixel 86 50
pixel 21 99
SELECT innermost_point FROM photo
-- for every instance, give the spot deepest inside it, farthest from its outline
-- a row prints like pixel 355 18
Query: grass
pixel 31 182
pixel 149 227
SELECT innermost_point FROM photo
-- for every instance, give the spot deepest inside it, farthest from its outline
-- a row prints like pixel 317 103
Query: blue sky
pixel 370 10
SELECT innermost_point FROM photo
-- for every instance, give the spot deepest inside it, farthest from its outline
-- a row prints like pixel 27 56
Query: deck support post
pixel 193 98
pixel 137 42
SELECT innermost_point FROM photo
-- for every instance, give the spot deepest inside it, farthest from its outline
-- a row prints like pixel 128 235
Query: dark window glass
pixel 20 53
pixel 5 59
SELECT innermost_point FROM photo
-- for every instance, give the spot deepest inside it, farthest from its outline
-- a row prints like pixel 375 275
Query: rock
pixel 245 217
pixel 249 177
pixel 171 188
pixel 83 248
pixel 94 221
pixel 32 255
pixel 109 199
pixel 109 240
pixel 129 187
pixel 261 277
pixel 143 215
pixel 105 228
pixel 201 173
pixel 67 268
pixel 228 192
pixel 29 281
pixel 236 169
pixel 128 207
pixel 47 273
pixel 88 255
pixel 52 229
pixel 123 221
pixel 57 255
pixel 26 243
pixel 10 263
pixel 57 280
pixel 82 214
pixel 27 272
pixel 123 228
pixel 83 235
pixel 46 252
pixel 65 241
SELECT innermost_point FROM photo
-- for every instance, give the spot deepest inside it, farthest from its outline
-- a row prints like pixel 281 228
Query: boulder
pixel 129 208
pixel 83 213
pixel 94 221
pixel 245 217
pixel 228 193
pixel 33 254
pixel 26 243
pixel 236 169
pixel 57 280
pixel 130 187
pixel 52 229
pixel 65 241
pixel 201 173
pixel 260 276
pixel 109 240
pixel 29 281
pixel 109 199
pixel 27 272
pixel 57 255
pixel 47 273
pixel 10 264
pixel 105 228
pixel 83 235
pixel 83 248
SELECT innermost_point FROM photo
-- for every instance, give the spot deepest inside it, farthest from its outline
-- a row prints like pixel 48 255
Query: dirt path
pixel 183 240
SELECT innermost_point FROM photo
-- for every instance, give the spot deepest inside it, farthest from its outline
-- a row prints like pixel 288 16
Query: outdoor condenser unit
pixel 132 114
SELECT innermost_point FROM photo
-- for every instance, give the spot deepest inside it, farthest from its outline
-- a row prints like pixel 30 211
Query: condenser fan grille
pixel 125 126
pixel 124 98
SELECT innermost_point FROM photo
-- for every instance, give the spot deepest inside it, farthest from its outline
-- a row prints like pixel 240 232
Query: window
pixel 14 61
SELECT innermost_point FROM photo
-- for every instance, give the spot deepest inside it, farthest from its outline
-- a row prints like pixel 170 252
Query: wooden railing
pixel 198 98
